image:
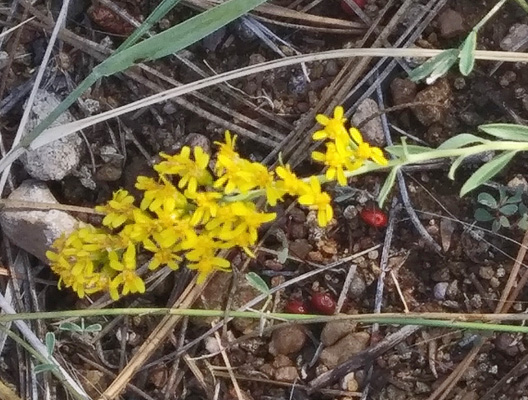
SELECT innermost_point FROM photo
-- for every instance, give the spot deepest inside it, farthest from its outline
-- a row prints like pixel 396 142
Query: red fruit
pixel 348 10
pixel 374 217
pixel 323 303
pixel 296 307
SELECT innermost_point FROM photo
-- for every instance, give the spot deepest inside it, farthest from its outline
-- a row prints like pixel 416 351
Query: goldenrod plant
pixel 191 212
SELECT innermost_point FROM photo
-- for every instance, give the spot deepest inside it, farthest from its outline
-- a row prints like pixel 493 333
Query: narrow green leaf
pixel 44 367
pixel 461 140
pixel 509 209
pixel 447 57
pixel 399 151
pixel 467 54
pixel 50 342
pixel 70 326
pixel 487 200
pixel 257 282
pixel 443 67
pixel 487 171
pixel 506 131
pixel 454 166
pixel 483 215
pixel 387 186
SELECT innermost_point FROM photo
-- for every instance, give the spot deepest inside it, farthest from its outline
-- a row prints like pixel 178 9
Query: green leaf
pixel 523 222
pixel 509 209
pixel 495 226
pixel 467 54
pixel 461 140
pixel 94 328
pixel 487 171
pixel 517 197
pixel 70 326
pixel 257 282
pixel 504 221
pixel 399 150
pixel 44 367
pixel 487 200
pixel 454 166
pixel 387 186
pixel 483 215
pixel 50 342
pixel 523 209
pixel 506 131
pixel 436 66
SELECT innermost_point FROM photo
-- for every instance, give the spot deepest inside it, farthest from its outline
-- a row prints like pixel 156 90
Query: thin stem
pixel 490 14
pixel 523 4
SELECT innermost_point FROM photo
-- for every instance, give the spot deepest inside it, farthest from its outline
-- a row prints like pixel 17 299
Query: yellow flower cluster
pixel 345 150
pixel 190 212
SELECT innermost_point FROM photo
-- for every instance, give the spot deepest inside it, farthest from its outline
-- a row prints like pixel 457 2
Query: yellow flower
pixel 206 206
pixel 337 162
pixel 227 149
pixel 162 255
pixel 127 276
pixel 118 210
pixel 289 183
pixel 206 265
pixel 159 195
pixel 365 151
pixel 191 172
pixel 202 254
pixel 319 201
pixel 334 128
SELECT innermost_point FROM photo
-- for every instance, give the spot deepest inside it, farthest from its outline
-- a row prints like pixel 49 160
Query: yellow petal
pixel 339 112
pixel 355 134
pixel 322 119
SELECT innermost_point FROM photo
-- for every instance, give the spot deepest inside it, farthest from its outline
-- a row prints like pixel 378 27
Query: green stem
pixel 523 4
pixel 459 321
pixel 490 14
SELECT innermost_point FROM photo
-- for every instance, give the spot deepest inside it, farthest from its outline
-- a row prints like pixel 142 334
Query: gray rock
pixel 35 230
pixel 56 159
pixel 402 91
pixel 516 39
pixel 287 340
pixel 440 290
pixel 335 330
pixel 450 23
pixel 373 130
pixel 344 349
pixel 357 287
pixel 286 374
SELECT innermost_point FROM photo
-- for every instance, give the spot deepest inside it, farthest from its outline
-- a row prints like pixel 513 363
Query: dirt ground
pixel 465 271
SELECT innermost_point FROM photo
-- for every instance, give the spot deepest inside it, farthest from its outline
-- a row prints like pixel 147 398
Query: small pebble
pixel 287 340
pixel 373 255
pixel 349 382
pixel 494 283
pixel 440 290
pixel 350 212
pixel 451 23
pixel 402 91
pixel 286 374
pixel 357 288
pixel 297 84
pixel 335 330
pixel 486 272
pixel 331 68
pixel 501 272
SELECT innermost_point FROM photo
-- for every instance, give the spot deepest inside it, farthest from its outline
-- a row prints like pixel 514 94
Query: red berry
pixel 323 303
pixel 348 10
pixel 374 217
pixel 296 307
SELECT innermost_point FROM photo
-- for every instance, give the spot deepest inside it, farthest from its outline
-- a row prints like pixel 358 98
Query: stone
pixel 505 343
pixel 373 130
pixel 486 272
pixel 287 340
pixel 440 290
pixel 335 330
pixel 450 23
pixel 59 158
pixel 402 91
pixel 35 230
pixel 300 248
pixel 439 93
pixel 515 40
pixel 349 382
pixel 344 349
pixel 357 287
pixel 286 374
pixel 331 68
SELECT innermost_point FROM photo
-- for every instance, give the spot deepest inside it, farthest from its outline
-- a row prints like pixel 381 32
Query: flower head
pixel 337 162
pixel 333 128
pixel 318 200
pixel 365 151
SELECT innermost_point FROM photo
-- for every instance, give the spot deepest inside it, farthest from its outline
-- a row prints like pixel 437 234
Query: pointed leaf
pixel 495 226
pixel 517 197
pixel 387 186
pixel 509 209
pixel 257 282
pixel 504 221
pixel 487 200
pixel 467 54
pixel 523 222
pixel 483 215
pixel 487 171
pixel 454 166
pixel 428 67
pixel 461 140
pixel 94 328
pixel 506 131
